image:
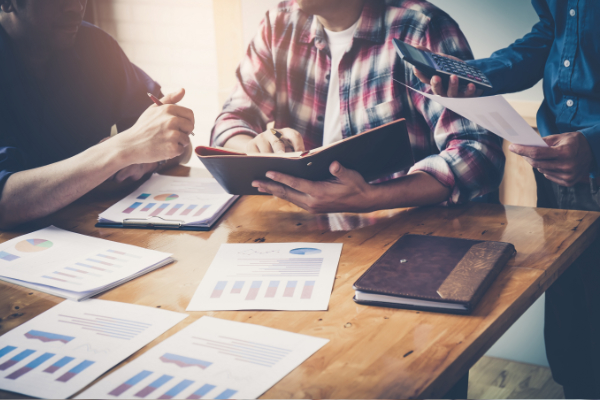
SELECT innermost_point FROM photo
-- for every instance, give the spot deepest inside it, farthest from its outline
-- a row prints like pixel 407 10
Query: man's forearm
pixel 413 190
pixel 34 193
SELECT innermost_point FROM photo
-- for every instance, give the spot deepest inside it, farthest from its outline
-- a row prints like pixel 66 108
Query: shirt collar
pixel 371 26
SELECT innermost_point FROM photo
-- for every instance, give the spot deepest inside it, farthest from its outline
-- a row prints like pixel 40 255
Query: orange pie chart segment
pixel 166 197
pixel 33 245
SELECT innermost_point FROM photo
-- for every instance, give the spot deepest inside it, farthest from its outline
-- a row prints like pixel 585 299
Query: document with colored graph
pixel 210 359
pixel 71 265
pixel 59 352
pixel 269 276
pixel 170 202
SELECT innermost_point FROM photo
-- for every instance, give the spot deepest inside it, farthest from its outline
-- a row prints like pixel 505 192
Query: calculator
pixel 434 64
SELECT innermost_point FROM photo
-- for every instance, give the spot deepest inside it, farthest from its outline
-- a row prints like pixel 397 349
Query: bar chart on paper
pixel 265 276
pixel 71 265
pixel 187 200
pixel 210 359
pixel 68 346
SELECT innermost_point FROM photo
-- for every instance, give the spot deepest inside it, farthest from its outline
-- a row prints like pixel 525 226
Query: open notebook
pixel 170 202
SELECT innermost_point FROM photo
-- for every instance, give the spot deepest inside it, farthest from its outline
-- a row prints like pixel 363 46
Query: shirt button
pixel 567 63
pixel 572 12
pixel 327 76
pixel 569 103
pixel 321 119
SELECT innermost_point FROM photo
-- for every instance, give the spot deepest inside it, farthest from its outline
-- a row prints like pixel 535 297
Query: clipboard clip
pixel 144 223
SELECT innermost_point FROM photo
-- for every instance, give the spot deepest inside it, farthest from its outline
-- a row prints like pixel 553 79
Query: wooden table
pixel 373 352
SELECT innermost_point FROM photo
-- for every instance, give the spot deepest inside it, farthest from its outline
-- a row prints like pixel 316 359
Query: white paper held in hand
pixel 493 113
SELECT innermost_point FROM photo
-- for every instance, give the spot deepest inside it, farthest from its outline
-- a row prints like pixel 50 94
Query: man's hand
pixel 347 192
pixel 453 89
pixel 567 161
pixel 282 141
pixel 161 132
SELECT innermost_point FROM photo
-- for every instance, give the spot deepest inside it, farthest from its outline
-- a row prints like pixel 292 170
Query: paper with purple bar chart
pixel 59 352
pixel 210 359
pixel 190 201
pixel 269 276
pixel 71 265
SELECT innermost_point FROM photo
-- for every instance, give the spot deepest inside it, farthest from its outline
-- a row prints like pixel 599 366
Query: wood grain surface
pixel 373 352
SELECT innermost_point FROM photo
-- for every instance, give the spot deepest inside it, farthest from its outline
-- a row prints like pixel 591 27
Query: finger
pixel 283 192
pixel 299 184
pixel 343 174
pixel 295 137
pixel 264 146
pixel 251 147
pixel 453 86
pixel 174 97
pixel 422 77
pixel 277 144
pixel 551 165
pixel 470 90
pixel 534 152
pixel 437 86
pixel 181 112
pixel 183 125
pixel 561 182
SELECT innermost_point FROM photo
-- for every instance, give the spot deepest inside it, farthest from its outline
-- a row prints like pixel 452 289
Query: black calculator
pixel 434 64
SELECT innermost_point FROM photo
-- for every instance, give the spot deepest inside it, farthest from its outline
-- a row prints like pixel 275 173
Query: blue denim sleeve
pixel 521 65
pixel 11 161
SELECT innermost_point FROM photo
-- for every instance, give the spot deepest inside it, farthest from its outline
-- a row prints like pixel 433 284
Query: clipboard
pixel 164 224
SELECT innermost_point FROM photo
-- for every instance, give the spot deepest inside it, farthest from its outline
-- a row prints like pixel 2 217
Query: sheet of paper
pixel 210 359
pixel 62 350
pixel 493 113
pixel 74 262
pixel 269 276
pixel 188 200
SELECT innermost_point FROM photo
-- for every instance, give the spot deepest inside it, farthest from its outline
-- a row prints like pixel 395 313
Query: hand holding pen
pixel 159 103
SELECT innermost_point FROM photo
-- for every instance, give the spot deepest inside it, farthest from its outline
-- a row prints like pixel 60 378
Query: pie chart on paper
pixel 33 245
pixel 303 251
pixel 166 197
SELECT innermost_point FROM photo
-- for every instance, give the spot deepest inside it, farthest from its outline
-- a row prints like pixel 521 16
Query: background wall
pixel 175 44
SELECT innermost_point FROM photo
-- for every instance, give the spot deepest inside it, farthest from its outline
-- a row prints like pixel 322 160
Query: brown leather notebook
pixel 374 154
pixel 433 273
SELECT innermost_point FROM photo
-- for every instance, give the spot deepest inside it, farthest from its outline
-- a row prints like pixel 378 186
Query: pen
pixel 285 141
pixel 159 103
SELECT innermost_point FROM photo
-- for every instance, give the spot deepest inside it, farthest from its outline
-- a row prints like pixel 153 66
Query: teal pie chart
pixel 304 251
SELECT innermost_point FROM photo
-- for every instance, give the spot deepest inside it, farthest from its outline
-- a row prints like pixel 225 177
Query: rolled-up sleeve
pixel 470 160
pixel 252 103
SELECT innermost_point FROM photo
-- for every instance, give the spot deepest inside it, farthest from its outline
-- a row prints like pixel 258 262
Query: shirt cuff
pixel 592 134
pixel 437 167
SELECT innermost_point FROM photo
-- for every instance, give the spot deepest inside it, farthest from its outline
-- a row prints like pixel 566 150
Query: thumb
pixel 173 98
pixel 339 171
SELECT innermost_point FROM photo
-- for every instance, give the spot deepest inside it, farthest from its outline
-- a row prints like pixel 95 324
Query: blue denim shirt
pixel 563 49
pixel 88 89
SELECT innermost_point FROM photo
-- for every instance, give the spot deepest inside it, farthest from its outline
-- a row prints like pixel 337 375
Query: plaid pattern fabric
pixel 284 78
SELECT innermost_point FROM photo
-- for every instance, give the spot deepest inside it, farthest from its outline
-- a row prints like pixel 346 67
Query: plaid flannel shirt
pixel 284 78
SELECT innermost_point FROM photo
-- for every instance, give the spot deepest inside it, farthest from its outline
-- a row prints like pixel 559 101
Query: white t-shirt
pixel 339 44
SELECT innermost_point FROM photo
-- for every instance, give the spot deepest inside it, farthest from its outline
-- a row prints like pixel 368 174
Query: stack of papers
pixel 169 201
pixel 62 350
pixel 210 359
pixel 73 266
